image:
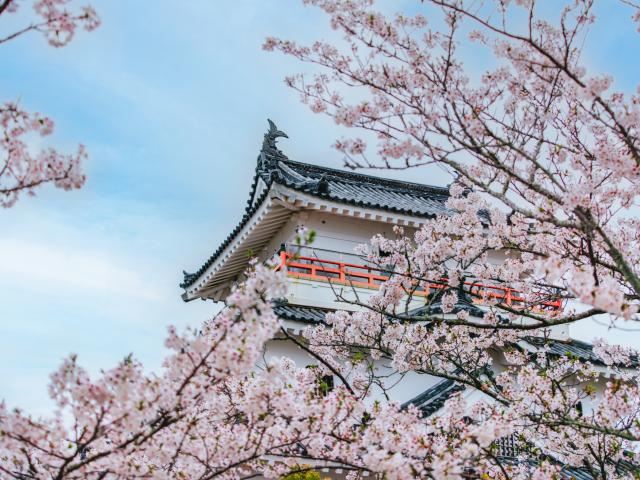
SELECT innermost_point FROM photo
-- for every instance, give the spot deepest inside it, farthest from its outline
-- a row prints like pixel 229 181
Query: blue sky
pixel 171 103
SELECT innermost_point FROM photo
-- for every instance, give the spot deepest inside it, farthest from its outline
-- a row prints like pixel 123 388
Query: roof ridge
pixel 356 176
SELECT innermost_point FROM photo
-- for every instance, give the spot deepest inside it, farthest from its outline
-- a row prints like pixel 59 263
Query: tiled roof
pixel 303 313
pixel 432 399
pixel 567 472
pixel 509 450
pixel 300 313
pixel 576 348
pixel 555 347
pixel 341 186
pixel 575 473
pixel 362 190
pixel 623 468
pixel 581 350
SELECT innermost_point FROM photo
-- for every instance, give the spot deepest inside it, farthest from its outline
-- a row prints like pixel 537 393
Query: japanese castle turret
pixel 344 209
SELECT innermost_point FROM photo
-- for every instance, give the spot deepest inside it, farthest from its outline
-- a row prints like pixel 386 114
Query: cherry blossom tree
pixel 21 169
pixel 547 162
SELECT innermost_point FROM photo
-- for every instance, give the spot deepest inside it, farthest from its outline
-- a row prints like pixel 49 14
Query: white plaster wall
pixel 340 233
pixel 400 388
pixel 286 348
pixel 333 232
pixel 331 295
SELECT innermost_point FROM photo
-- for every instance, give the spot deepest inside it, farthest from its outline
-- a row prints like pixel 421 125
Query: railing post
pixel 342 275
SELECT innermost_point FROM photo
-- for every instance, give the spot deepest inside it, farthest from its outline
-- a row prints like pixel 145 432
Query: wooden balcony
pixel 347 269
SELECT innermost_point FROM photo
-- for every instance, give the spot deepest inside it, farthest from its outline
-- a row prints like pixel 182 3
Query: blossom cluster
pixel 22 169
pixel 55 21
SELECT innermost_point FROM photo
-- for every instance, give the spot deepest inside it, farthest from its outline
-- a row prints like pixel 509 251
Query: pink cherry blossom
pixel 23 170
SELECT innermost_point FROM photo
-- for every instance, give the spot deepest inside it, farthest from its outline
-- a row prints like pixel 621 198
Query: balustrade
pixel 330 266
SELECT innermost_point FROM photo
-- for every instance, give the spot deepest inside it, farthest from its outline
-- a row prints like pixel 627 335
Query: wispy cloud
pixel 86 272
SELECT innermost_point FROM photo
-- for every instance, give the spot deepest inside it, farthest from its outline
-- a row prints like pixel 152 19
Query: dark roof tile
pixel 432 399
pixel 300 313
pixel 362 190
pixel 571 347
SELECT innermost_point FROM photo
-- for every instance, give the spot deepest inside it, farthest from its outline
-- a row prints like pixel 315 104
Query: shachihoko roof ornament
pixel 270 153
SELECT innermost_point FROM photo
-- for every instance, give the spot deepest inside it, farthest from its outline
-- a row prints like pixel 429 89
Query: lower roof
pixel 433 399
pixel 300 313
pixel 570 347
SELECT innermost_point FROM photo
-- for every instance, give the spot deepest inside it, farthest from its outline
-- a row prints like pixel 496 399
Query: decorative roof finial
pixel 270 154
pixel 460 180
pixel 271 136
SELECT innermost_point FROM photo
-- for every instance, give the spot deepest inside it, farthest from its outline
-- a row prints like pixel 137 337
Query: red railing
pixel 357 275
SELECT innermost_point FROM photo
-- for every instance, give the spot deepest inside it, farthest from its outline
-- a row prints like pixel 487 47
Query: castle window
pixel 324 383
